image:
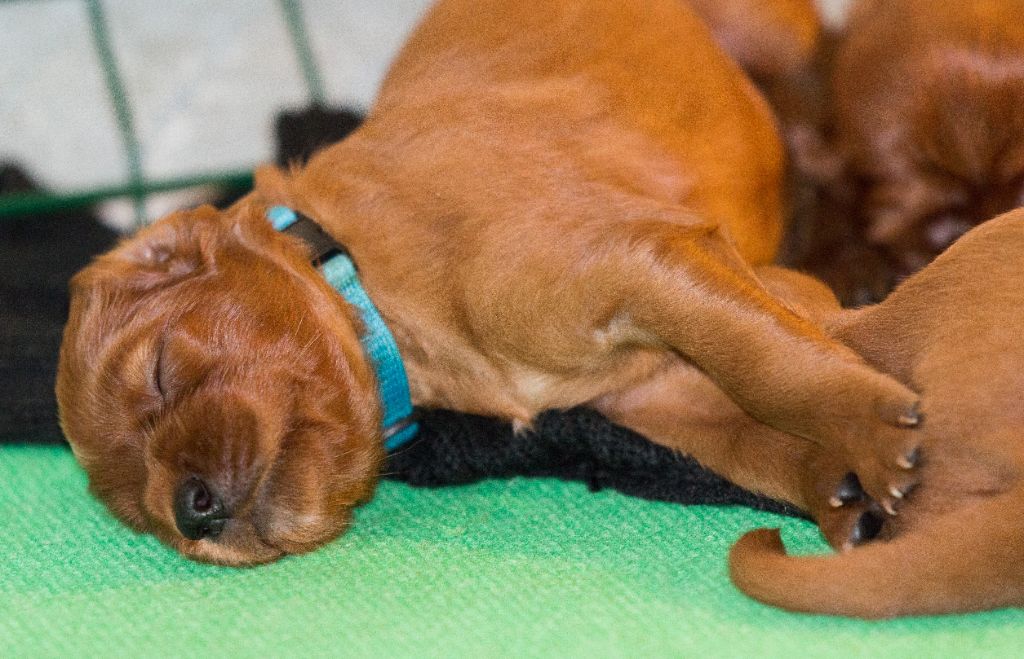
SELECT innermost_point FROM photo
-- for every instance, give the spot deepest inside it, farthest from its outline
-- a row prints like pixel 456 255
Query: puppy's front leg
pixel 690 289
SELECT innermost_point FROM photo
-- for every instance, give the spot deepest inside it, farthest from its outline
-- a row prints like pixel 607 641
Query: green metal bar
pixel 300 40
pixel 37 203
pixel 125 123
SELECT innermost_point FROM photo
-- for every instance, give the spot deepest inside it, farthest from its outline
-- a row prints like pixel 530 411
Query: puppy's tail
pixel 969 561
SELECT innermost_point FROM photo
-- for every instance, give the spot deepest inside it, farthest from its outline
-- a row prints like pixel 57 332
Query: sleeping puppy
pixel 927 97
pixel 952 332
pixel 550 202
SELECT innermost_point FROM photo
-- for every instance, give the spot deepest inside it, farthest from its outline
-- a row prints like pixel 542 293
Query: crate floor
pixel 515 568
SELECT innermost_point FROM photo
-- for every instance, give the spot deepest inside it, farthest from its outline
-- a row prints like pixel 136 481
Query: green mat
pixel 520 567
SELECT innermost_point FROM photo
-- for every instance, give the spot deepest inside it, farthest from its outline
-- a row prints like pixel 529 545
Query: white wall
pixel 205 78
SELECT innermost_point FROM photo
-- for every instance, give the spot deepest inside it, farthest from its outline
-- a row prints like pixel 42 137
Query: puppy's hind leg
pixel 681 408
pixel 687 287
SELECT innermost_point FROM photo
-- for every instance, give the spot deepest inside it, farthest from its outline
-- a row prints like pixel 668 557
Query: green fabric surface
pixel 519 567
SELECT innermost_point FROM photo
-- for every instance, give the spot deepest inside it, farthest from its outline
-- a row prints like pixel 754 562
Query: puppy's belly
pixel 537 390
pixel 518 391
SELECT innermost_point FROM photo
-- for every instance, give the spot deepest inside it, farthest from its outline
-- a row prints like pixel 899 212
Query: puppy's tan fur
pixel 953 331
pixel 551 203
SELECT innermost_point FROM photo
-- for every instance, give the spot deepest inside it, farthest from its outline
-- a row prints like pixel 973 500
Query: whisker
pixel 405 447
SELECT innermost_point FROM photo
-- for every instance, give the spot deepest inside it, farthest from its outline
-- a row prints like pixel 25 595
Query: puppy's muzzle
pixel 198 511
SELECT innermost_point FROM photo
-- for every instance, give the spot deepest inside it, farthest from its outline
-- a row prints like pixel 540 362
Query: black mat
pixel 37 257
pixel 39 254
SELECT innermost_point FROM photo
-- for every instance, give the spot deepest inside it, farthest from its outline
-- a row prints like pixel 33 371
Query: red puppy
pixel 953 332
pixel 550 202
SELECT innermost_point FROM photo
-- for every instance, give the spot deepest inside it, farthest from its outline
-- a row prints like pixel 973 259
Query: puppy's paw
pixel 852 525
pixel 845 514
pixel 886 465
pixel 879 440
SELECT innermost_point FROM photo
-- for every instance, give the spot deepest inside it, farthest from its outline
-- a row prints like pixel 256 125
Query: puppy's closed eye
pixel 158 370
pixel 175 369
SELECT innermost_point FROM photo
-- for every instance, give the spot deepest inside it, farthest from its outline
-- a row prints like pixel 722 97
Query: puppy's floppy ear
pixel 164 253
pixel 109 295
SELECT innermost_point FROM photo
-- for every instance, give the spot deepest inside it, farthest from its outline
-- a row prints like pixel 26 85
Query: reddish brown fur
pixel 952 332
pixel 905 133
pixel 927 97
pixel 769 39
pixel 176 360
pixel 550 202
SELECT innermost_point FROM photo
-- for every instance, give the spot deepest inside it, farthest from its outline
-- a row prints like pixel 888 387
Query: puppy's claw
pixel 895 492
pixel 910 460
pixel 889 507
pixel 911 418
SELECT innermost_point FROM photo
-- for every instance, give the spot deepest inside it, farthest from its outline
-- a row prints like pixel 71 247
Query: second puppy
pixel 925 100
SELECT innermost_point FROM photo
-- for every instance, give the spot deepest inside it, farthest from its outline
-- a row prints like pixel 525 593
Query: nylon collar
pixel 339 270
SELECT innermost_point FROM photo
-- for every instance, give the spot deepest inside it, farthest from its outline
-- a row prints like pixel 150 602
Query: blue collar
pixel 340 272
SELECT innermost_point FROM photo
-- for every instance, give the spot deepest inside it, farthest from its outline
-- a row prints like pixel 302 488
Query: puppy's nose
pixel 198 511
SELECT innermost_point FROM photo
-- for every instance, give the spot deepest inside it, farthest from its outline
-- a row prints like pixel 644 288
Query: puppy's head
pixel 213 386
pixel 928 99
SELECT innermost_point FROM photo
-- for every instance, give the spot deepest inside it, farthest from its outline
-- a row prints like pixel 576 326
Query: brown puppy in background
pixel 550 202
pixel 928 97
pixel 926 130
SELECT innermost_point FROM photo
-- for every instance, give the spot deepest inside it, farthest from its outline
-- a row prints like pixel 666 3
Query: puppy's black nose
pixel 198 511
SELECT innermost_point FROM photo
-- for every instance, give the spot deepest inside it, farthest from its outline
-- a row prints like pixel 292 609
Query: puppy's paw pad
pixel 852 526
pixel 867 526
pixel 848 491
